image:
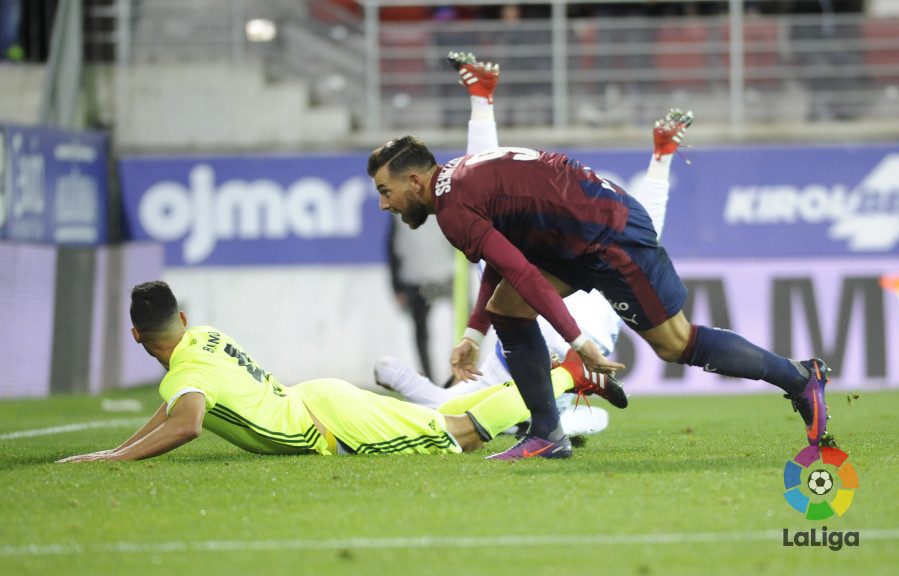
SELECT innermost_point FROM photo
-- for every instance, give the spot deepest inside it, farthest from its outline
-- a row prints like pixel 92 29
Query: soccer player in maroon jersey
pixel 546 226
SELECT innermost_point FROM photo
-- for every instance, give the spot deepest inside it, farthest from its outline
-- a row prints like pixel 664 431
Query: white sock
pixel 481 136
pixel 481 127
pixel 481 110
pixel 403 379
pixel 653 195
pixel 660 169
pixel 583 419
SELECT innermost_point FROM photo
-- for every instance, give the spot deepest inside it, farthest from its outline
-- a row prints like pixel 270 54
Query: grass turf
pixel 673 486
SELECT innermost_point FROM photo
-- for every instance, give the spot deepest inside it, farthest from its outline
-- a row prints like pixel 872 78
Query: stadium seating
pixel 760 51
pixel 401 49
pixel 330 13
pixel 881 50
pixel 681 55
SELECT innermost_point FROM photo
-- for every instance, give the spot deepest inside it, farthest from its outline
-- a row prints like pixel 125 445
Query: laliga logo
pixel 820 482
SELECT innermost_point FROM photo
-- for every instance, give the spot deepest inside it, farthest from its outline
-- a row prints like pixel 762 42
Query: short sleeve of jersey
pixel 187 373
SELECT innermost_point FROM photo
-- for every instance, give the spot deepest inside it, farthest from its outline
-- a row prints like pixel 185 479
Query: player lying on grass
pixel 597 318
pixel 547 226
pixel 212 383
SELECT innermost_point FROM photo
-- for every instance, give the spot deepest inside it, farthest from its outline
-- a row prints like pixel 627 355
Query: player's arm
pixel 152 424
pixel 162 433
pixel 464 359
pixel 530 284
pixel 479 320
pixel 540 295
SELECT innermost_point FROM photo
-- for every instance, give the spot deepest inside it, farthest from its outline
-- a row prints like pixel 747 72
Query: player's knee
pixel 471 445
pixel 507 302
pixel 671 348
pixel 671 339
pixel 668 353
pixel 511 308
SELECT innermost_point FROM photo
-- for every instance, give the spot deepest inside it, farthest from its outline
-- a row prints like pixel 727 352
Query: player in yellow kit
pixel 212 383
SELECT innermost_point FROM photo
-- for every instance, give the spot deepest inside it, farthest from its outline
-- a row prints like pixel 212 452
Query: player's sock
pixel 660 167
pixel 653 195
pixel 728 353
pixel 500 407
pixel 481 110
pixel 529 364
pixel 481 132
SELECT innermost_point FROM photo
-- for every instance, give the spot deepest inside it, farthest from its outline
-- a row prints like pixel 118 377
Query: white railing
pixel 558 71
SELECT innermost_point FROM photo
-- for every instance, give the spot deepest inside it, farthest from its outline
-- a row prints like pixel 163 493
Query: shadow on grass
pixel 670 455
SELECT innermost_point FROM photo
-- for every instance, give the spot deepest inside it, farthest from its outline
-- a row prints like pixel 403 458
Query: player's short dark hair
pixel 401 154
pixel 152 306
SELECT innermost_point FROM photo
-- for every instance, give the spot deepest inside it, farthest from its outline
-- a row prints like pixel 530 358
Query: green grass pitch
pixel 677 485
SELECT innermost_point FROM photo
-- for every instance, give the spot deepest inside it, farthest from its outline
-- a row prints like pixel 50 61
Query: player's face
pixel 401 194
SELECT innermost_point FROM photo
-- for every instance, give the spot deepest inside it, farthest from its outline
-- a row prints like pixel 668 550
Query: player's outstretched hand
pixel 464 361
pixel 92 457
pixel 595 361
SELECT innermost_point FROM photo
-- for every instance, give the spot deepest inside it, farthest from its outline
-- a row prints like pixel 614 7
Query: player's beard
pixel 415 214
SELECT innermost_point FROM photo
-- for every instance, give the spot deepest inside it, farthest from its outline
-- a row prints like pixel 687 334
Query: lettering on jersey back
pixel 212 342
pixel 443 179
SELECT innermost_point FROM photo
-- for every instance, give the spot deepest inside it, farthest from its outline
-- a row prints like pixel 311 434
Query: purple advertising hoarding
pixel 54 186
pixel 255 211
pixel 733 202
pixel 785 245
pixel 775 200
pixel 834 308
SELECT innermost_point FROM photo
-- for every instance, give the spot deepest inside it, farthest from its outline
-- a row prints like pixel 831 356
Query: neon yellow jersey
pixel 245 405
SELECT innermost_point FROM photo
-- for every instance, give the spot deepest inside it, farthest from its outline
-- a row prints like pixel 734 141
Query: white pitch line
pixel 72 428
pixel 508 541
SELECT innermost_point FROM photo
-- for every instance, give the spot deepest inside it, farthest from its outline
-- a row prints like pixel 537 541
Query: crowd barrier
pixel 63 305
pixel 785 244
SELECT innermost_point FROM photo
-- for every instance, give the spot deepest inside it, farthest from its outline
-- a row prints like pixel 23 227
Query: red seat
pixel 760 50
pixel 681 55
pixel 323 14
pixel 404 13
pixel 881 49
pixel 403 57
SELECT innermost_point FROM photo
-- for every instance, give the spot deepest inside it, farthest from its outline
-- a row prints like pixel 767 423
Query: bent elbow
pixel 190 432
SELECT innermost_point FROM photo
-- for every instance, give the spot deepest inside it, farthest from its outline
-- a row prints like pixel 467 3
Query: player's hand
pixel 92 457
pixel 595 361
pixel 464 361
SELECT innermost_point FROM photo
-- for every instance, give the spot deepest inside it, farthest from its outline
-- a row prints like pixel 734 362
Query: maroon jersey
pixel 511 205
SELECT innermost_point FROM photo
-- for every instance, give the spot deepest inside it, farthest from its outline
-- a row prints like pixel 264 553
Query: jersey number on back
pixel 252 368
pixel 494 153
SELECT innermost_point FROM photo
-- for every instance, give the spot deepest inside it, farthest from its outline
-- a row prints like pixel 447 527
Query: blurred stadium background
pixel 221 144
